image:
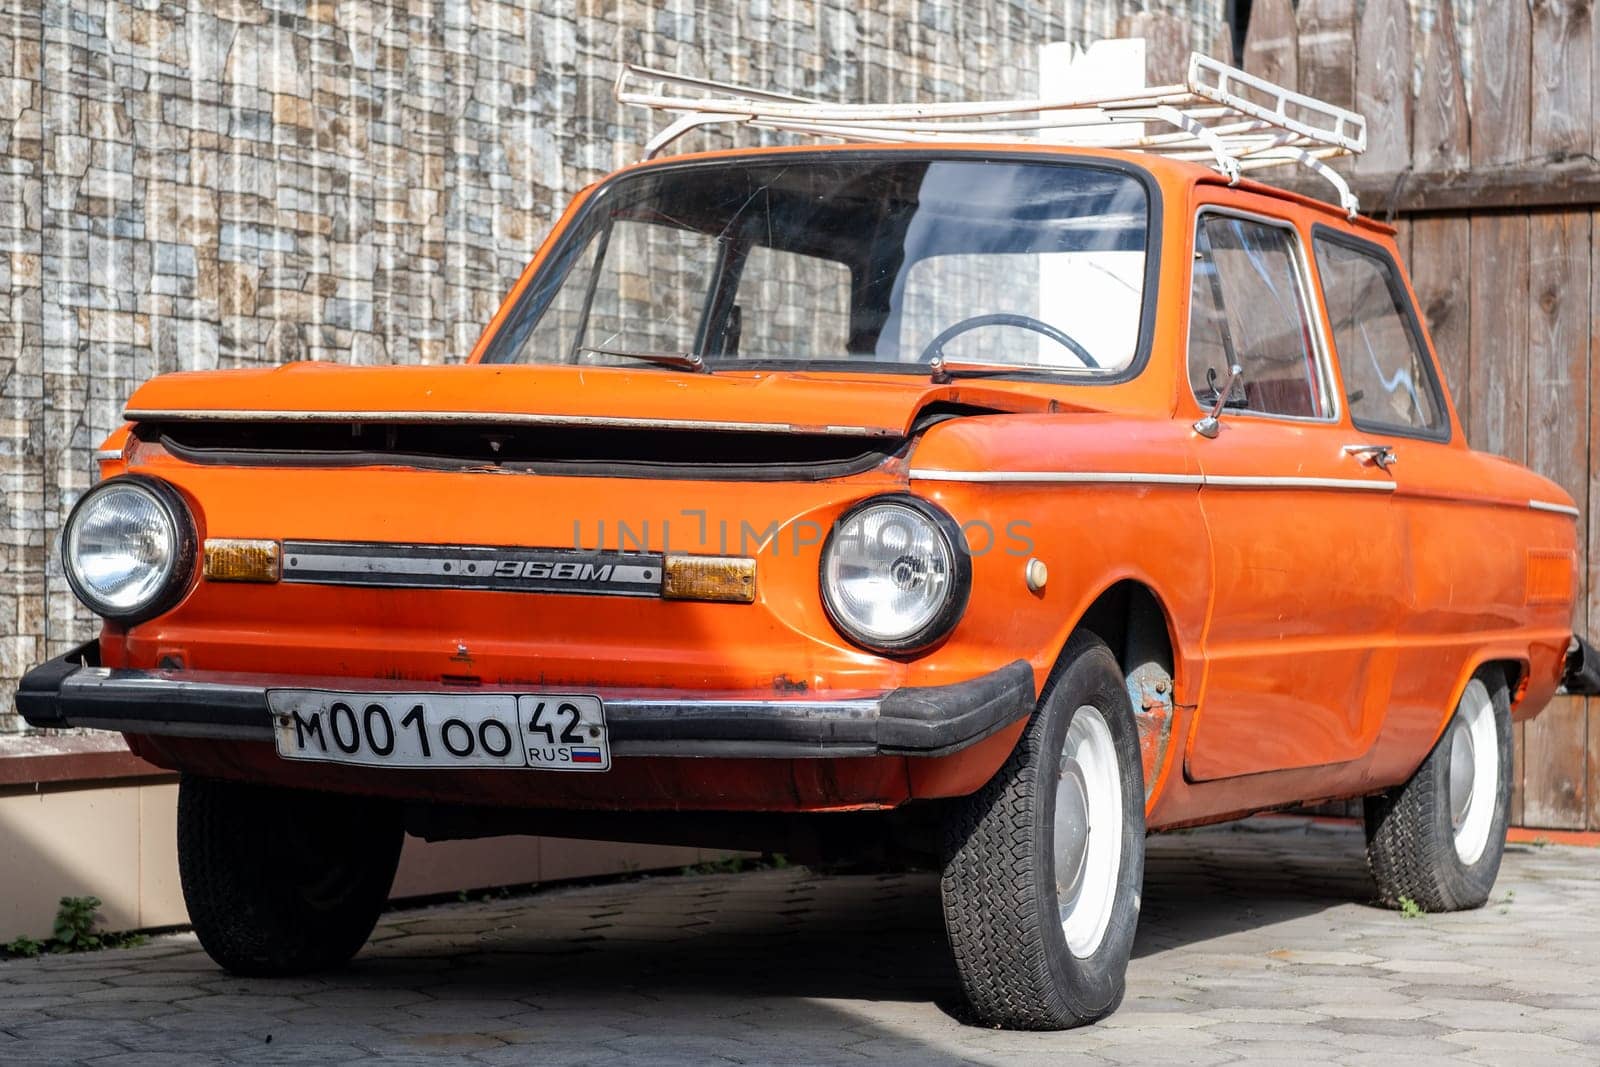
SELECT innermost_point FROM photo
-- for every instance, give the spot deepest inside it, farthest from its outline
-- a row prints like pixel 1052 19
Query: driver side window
pixel 1247 307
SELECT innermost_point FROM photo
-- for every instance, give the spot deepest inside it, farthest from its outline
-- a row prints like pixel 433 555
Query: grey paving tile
pixel 282 1052
pixel 568 1054
pixel 1509 1043
pixel 1255 946
pixel 153 1059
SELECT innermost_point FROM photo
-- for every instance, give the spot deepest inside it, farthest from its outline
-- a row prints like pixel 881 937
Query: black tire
pixel 283 881
pixel 1411 830
pixel 999 887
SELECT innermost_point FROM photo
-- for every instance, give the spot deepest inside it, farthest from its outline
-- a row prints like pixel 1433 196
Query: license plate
pixel 551 732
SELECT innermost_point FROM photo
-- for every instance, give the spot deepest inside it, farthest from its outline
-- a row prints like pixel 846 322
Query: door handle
pixel 1382 456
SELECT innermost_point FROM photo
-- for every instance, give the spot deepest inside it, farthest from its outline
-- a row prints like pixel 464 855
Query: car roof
pixel 1171 174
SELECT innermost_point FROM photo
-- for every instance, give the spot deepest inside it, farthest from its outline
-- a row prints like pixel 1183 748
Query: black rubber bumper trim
pixel 913 721
pixel 1581 676
pixel 936 720
pixel 73 690
pixel 39 692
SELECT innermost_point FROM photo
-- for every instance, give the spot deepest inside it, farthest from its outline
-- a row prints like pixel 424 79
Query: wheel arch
pixel 1130 616
pixel 1134 621
pixel 1513 663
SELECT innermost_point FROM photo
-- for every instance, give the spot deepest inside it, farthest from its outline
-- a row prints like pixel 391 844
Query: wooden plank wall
pixel 1488 167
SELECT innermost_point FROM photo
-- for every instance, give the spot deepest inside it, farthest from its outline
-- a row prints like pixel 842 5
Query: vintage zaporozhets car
pixel 953 496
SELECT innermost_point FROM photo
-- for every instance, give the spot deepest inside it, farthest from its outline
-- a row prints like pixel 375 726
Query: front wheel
pixel 283 881
pixel 1436 841
pixel 1044 864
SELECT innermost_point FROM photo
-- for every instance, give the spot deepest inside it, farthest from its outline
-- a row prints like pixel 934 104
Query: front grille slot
pixel 601 451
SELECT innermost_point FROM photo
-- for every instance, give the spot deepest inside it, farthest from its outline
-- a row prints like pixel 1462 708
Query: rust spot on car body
pixel 782 683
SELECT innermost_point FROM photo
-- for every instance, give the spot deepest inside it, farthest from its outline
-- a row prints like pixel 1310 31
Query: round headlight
pixel 128 548
pixel 895 574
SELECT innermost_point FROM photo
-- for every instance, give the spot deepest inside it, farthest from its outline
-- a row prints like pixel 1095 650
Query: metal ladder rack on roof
pixel 1219 114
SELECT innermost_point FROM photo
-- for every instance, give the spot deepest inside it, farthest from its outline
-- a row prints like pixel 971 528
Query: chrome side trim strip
pixel 1220 481
pixel 514 418
pixel 1133 478
pixel 1092 477
pixel 108 455
pixel 1223 481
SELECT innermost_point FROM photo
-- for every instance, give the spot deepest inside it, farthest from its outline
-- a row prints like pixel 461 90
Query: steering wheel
pixel 1004 318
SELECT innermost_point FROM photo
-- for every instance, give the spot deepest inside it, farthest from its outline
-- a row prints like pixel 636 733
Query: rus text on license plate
pixel 553 732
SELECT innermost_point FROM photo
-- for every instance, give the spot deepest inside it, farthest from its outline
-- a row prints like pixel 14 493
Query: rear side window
pixel 1247 307
pixel 1388 377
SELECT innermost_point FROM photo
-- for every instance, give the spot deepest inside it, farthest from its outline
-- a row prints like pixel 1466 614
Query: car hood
pixel 872 405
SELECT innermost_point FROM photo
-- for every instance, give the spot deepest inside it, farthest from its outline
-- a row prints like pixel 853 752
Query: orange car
pixel 986 504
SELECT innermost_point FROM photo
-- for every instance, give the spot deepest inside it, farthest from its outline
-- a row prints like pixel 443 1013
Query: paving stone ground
pixel 1255 944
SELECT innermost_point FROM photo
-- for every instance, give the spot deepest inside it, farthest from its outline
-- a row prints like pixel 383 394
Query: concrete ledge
pixel 28 760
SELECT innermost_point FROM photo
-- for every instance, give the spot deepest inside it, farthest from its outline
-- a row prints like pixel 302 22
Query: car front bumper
pixel 74 690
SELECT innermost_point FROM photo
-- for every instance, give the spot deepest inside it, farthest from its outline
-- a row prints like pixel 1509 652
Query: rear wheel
pixel 283 881
pixel 1044 864
pixel 1436 841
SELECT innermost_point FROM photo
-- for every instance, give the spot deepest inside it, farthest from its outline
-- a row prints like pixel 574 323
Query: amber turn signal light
pixel 241 559
pixel 726 578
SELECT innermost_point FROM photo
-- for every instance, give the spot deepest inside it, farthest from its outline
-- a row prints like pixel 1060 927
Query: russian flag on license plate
pixel 586 755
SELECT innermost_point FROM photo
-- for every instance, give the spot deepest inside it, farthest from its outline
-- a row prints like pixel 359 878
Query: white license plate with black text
pixel 552 732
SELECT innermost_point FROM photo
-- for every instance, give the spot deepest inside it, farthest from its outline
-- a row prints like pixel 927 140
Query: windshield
pixel 875 262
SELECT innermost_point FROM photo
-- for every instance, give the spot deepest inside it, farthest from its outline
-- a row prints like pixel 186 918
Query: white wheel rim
pixel 1474 772
pixel 1086 829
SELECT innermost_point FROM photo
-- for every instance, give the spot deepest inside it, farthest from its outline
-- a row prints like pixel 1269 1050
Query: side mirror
pixel 1211 425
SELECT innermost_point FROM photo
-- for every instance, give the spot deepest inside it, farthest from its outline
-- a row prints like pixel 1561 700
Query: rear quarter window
pixel 1389 379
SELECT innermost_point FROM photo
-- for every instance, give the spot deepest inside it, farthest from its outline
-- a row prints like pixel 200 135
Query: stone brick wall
pixel 220 183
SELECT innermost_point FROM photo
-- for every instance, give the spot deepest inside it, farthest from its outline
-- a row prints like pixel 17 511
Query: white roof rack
pixel 1220 114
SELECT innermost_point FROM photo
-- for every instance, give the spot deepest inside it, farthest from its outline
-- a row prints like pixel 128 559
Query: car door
pixel 1299 641
pixel 1473 559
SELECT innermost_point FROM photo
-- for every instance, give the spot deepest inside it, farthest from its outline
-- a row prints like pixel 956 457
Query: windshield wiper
pixel 689 361
pixel 944 370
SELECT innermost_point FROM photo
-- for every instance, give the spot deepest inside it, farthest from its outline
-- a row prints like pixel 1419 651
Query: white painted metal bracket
pixel 1222 115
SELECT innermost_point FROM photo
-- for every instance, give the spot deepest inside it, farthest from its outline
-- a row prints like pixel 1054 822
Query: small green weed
pixel 772 861
pixel 75 925
pixel 26 947
pixel 76 929
pixel 731 865
pixel 1411 909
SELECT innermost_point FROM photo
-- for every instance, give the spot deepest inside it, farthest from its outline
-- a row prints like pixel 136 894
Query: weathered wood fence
pixel 1483 139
